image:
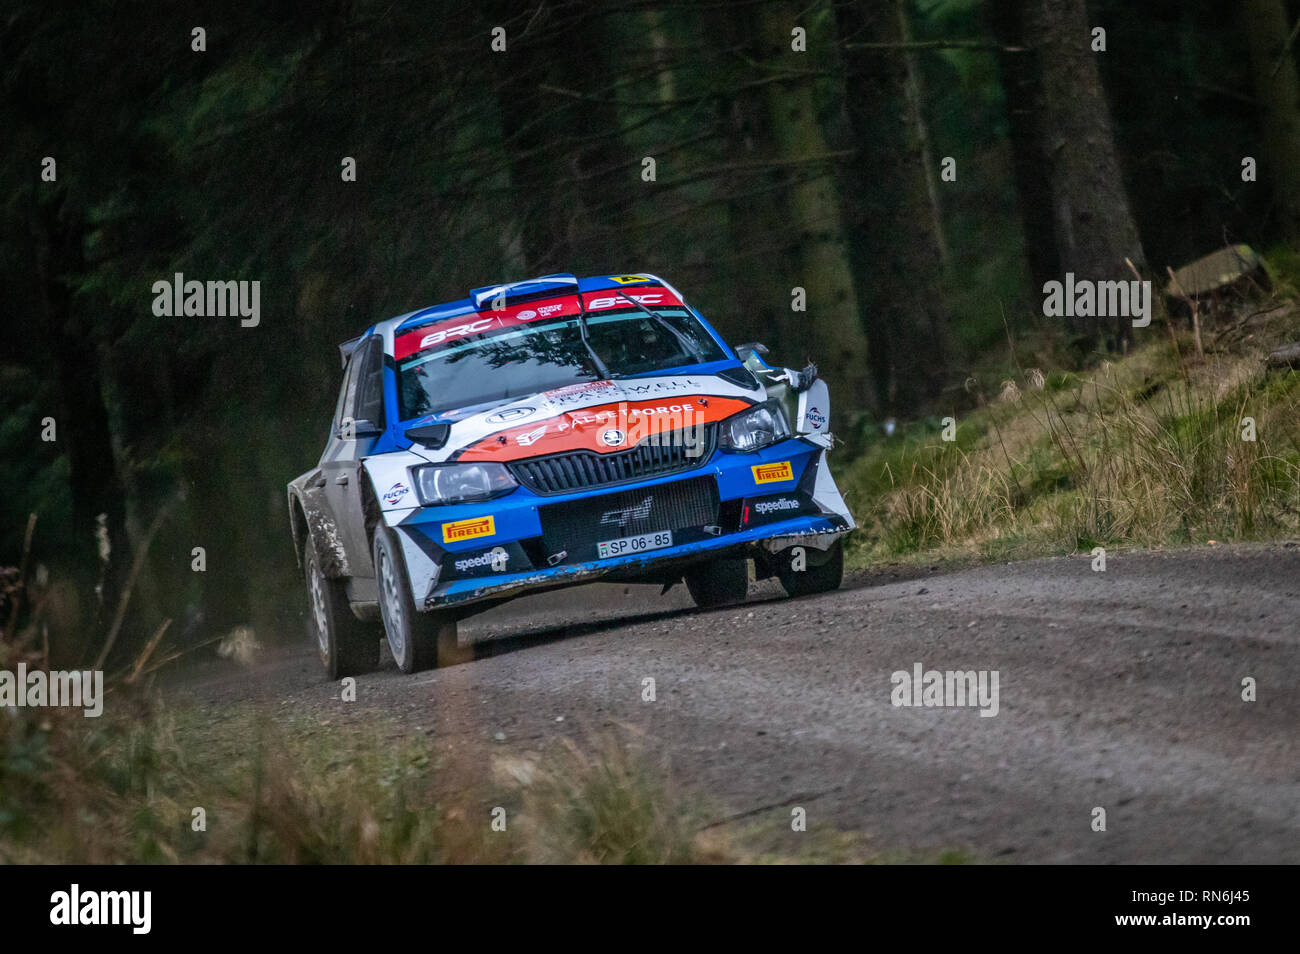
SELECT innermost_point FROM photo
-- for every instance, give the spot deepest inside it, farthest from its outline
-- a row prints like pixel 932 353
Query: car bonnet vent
pixel 430 435
pixel 739 376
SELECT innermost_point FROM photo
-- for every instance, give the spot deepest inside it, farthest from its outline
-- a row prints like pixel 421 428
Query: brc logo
pixel 772 473
pixel 468 529
pixel 599 304
pixel 468 328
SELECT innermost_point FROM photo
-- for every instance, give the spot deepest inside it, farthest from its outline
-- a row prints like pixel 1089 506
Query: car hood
pixel 599 416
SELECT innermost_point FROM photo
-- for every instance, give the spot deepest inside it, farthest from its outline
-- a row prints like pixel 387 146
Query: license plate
pixel 641 543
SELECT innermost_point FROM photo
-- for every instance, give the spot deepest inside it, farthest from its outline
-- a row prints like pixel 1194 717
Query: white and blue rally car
pixel 551 432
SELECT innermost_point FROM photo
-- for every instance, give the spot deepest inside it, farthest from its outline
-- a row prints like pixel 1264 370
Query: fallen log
pixel 1288 356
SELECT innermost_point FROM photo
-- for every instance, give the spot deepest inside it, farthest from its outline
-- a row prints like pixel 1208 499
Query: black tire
pixel 417 640
pixel 719 583
pixel 816 577
pixel 346 645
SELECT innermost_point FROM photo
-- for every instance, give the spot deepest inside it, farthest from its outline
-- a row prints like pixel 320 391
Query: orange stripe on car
pixel 605 428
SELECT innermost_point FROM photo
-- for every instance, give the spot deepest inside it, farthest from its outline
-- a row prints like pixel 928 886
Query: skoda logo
pixel 613 437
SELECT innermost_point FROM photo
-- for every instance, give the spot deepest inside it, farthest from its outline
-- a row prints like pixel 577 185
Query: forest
pixel 882 187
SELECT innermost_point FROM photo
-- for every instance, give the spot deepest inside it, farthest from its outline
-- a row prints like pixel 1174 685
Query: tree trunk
pixel 756 296
pixel 891 211
pixel 1264 23
pixel 601 176
pixel 831 330
pixel 1094 227
pixel 915 119
pixel 534 147
pixel 1020 85
pixel 82 424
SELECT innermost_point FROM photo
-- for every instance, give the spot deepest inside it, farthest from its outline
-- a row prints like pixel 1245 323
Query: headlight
pixel 461 483
pixel 754 429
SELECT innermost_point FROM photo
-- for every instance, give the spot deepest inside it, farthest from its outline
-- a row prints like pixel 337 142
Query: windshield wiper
pixel 586 343
pixel 659 319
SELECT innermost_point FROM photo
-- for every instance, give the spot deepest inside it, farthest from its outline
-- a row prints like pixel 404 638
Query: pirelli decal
pixel 459 530
pixel 773 473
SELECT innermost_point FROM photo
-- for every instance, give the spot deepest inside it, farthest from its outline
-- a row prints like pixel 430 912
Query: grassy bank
pixel 1150 450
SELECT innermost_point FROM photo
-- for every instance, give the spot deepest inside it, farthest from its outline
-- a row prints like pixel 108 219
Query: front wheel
pixel 417 640
pixel 346 645
pixel 804 571
pixel 719 582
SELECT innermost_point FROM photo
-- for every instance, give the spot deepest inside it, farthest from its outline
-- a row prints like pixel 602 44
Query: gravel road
pixel 1120 690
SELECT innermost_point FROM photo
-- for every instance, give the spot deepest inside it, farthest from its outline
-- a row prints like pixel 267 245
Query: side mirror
pixel 353 430
pixel 753 347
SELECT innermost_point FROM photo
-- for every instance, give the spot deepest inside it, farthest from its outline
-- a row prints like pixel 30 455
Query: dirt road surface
pixel 1120 690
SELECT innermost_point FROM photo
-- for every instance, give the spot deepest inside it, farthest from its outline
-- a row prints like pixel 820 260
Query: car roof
pixel 477 299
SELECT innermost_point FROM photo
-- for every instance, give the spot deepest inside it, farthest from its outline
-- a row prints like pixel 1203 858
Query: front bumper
pixel 823 532
pixel 781 496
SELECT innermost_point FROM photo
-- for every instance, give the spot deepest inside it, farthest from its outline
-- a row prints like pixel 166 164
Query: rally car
pixel 551 432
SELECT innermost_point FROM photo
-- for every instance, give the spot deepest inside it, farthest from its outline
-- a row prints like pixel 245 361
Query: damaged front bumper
pixel 816 532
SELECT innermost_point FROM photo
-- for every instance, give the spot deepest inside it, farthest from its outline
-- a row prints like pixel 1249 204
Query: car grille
pixel 575 527
pixel 579 470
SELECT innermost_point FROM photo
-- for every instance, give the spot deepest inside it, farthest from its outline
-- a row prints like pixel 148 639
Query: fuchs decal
pixel 396 493
pixel 816 418
pixel 772 473
pixel 459 530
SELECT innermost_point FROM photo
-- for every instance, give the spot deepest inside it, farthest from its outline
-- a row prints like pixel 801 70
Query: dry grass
pixel 127 787
pixel 1145 451
pixel 123 789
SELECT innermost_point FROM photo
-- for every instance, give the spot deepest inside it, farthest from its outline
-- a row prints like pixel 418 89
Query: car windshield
pixel 543 356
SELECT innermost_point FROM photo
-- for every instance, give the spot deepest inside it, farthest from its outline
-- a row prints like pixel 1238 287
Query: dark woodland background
pixel 774 169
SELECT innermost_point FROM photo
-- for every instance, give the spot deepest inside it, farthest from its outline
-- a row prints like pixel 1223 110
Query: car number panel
pixel 640 543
